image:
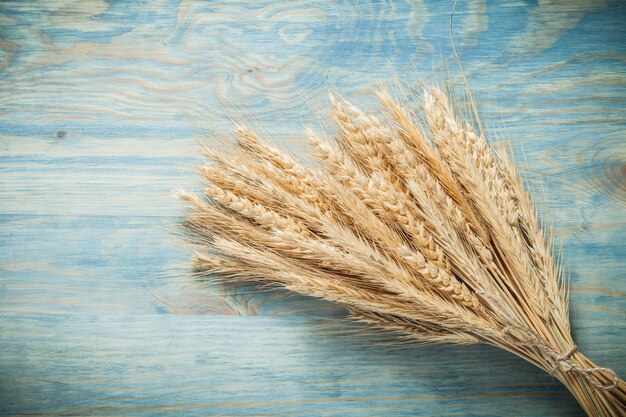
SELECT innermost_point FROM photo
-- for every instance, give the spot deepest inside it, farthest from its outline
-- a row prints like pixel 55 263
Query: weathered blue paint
pixel 101 105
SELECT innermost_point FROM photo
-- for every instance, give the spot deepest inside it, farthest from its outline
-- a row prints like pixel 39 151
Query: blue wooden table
pixel 101 105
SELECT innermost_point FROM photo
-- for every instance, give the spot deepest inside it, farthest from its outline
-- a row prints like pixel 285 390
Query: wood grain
pixel 101 105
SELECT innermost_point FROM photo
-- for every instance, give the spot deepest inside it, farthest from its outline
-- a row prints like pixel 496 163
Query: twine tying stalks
pixel 563 362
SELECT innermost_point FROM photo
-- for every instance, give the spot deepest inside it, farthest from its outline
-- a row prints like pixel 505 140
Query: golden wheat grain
pixel 415 224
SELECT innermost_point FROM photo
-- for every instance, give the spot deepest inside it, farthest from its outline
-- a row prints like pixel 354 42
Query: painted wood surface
pixel 101 105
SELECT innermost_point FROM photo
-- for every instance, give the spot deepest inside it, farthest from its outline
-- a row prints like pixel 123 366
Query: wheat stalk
pixel 414 223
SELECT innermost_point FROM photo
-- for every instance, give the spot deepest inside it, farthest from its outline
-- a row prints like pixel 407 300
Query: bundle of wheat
pixel 414 223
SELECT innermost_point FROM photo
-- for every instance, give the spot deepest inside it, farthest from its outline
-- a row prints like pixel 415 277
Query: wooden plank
pixel 212 365
pixel 101 104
